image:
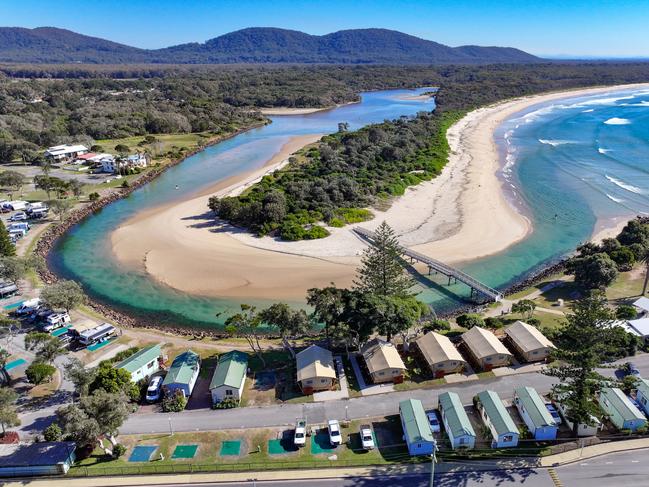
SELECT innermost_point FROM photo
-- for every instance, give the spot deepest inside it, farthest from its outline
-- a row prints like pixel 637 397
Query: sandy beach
pixel 291 111
pixel 461 215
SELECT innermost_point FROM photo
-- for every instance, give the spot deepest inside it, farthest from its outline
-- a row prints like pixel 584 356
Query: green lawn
pixel 163 144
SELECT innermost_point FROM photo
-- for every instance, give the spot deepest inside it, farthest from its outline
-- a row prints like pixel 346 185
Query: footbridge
pixel 453 274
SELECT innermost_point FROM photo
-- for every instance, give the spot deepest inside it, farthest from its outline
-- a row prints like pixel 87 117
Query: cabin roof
pixel 231 370
pixel 483 343
pixel 315 361
pixel 438 348
pixel 380 355
pixel 527 337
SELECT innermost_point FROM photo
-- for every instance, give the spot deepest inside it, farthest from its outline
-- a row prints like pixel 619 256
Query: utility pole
pixel 432 466
pixel 171 428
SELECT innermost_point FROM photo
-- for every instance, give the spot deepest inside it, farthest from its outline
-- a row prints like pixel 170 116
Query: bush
pixel 119 450
pixel 174 403
pixel 437 325
pixel 626 312
pixel 94 196
pixel 494 323
pixel 125 184
pixel 535 322
pixel 39 372
pixel 470 320
pixel 228 403
pixel 53 433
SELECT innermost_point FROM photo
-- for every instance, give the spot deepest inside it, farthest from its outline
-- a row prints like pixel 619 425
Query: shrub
pixel 626 312
pixel 535 322
pixel 437 325
pixel 494 323
pixel 39 372
pixel 53 433
pixel 469 320
pixel 119 450
pixel 228 403
pixel 94 196
pixel 125 184
pixel 174 403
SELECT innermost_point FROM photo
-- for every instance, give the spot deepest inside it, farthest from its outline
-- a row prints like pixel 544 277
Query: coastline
pixel 461 215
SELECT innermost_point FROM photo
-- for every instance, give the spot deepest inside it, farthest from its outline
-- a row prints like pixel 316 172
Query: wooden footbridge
pixel 453 274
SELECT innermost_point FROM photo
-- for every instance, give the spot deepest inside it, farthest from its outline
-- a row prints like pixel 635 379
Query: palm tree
pixel 645 261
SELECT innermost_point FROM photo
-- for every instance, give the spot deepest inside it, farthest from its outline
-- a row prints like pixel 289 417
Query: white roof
pixel 527 337
pixel 628 328
pixel 59 150
pixel 437 348
pixel 642 303
pixel 483 343
pixel 641 326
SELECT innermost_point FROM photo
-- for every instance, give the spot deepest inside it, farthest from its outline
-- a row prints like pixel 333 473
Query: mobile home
pixel 642 394
pixel 456 422
pixel 46 458
pixel 97 334
pixel 416 429
pixel 620 410
pixel 142 364
pixel 182 374
pixel 504 432
pixel 229 377
pixel 532 409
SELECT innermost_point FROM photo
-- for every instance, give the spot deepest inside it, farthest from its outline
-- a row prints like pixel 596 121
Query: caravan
pixel 101 333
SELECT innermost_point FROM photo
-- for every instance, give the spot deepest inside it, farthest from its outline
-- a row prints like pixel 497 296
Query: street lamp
pixel 432 467
pixel 346 413
pixel 171 428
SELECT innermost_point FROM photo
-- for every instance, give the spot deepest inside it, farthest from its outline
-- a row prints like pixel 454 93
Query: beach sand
pixel 291 111
pixel 461 215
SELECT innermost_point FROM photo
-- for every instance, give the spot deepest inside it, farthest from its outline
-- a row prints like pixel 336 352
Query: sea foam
pixel 555 143
pixel 613 198
pixel 623 185
pixel 603 151
pixel 618 121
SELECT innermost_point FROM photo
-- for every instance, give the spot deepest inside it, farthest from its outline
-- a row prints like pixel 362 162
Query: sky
pixel 595 28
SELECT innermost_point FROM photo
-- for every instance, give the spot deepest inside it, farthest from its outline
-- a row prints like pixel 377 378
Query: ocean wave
pixel 603 101
pixel 623 185
pixel 618 121
pixel 613 198
pixel 643 103
pixel 555 143
pixel 603 151
pixel 589 110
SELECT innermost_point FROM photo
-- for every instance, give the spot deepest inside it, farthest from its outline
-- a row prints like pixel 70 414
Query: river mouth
pixel 563 209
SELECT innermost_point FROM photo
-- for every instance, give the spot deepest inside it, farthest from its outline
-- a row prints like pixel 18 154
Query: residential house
pixel 620 410
pixel 416 429
pixel 639 327
pixel 486 350
pixel 111 164
pixel 229 377
pixel 383 361
pixel 504 432
pixel 642 394
pixel 642 305
pixel 440 354
pixel 45 458
pixel 315 369
pixel 536 416
pixel 65 152
pixel 142 364
pixel 456 422
pixel 108 163
pixel 583 429
pixel 529 342
pixel 182 374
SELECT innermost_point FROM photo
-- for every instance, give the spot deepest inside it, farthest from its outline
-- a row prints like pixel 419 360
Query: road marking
pixel 608 463
pixel 584 464
pixel 635 461
pixel 555 477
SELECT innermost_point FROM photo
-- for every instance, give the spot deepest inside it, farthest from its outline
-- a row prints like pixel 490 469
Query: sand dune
pixel 461 215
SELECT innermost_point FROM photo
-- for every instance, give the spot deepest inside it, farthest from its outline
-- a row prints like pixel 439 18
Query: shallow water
pixel 569 164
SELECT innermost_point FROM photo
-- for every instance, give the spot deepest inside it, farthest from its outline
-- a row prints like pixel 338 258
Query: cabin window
pixel 149 365
pixel 381 373
pixel 462 441
pixel 419 445
pixel 228 392
pixel 488 359
pixel 535 352
pixel 439 366
pixel 310 381
pixel 508 438
pixel 643 400
pixel 323 381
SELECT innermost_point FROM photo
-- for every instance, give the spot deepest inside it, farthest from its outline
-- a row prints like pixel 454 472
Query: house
pixel 383 361
pixel 456 422
pixel 416 429
pixel 440 354
pixel 65 152
pixel 642 394
pixel 182 374
pixel 85 158
pixel 110 164
pixel 504 432
pixel 229 377
pixel 620 410
pixel 642 305
pixel 536 416
pixel 46 458
pixel 529 342
pixel 639 327
pixel 315 369
pixel 485 348
pixel 142 364
pixel 583 429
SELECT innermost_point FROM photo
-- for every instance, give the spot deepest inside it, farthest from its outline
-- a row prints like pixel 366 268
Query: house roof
pixel 36 454
pixel 642 385
pixel 415 422
pixel 641 326
pixel 313 362
pixel 140 358
pixel 231 370
pixel 642 303
pixel 89 155
pixel 627 327
pixel 621 403
pixel 527 337
pixel 438 348
pixel 483 343
pixel 456 418
pixel 59 150
pixel 381 355
pixel 182 368
pixel 498 415
pixel 534 406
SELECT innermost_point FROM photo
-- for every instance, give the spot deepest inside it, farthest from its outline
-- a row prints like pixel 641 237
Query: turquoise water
pixel 570 165
pixel 85 254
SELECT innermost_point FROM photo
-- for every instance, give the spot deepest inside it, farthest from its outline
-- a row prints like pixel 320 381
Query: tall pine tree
pixel 7 249
pixel 381 271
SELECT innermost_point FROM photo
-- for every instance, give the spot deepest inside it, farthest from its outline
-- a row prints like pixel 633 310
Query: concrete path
pixel 108 355
pixel 366 389
pixel 343 393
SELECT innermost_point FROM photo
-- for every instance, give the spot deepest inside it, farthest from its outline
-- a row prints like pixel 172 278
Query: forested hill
pixel 252 45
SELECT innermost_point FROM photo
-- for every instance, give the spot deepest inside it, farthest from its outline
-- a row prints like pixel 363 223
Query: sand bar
pixel 461 215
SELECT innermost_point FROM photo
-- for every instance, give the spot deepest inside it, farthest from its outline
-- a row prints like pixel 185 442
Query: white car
pixel 367 440
pixel 335 438
pixel 299 438
pixel 19 226
pixel 17 234
pixel 154 389
pixel 18 217
pixel 28 307
pixel 433 421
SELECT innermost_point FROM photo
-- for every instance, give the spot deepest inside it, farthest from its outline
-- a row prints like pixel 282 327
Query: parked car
pixel 367 439
pixel 299 437
pixel 17 234
pixel 632 369
pixel 19 226
pixel 40 315
pixel 28 307
pixel 335 438
pixel 56 320
pixel 433 420
pixel 154 390
pixel 18 217
pixel 40 213
pixel 554 413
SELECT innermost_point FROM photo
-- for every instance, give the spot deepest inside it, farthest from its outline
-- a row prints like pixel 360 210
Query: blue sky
pixel 544 27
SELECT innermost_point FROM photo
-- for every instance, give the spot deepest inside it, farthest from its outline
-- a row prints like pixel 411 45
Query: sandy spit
pixel 461 215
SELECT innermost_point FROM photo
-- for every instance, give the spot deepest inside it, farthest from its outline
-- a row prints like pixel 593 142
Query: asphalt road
pixel 356 408
pixel 628 469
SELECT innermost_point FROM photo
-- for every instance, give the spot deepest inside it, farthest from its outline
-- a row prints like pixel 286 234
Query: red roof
pixel 86 156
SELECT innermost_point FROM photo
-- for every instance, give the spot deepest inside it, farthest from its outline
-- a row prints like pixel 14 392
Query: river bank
pixel 461 215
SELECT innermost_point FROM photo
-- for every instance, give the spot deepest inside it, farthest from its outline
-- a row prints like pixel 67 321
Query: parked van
pixel 29 306
pixel 56 320
pixel 17 234
pixel 19 226
pixel 16 205
pixel 95 335
pixel 38 205
pixel 38 213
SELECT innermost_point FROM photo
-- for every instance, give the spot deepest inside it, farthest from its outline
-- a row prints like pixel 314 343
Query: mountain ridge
pixel 259 45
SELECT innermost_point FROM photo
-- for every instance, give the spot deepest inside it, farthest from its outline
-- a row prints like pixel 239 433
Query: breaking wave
pixel 623 185
pixel 618 121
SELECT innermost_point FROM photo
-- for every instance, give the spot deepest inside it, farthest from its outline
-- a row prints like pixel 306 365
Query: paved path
pixel 343 393
pixel 368 390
